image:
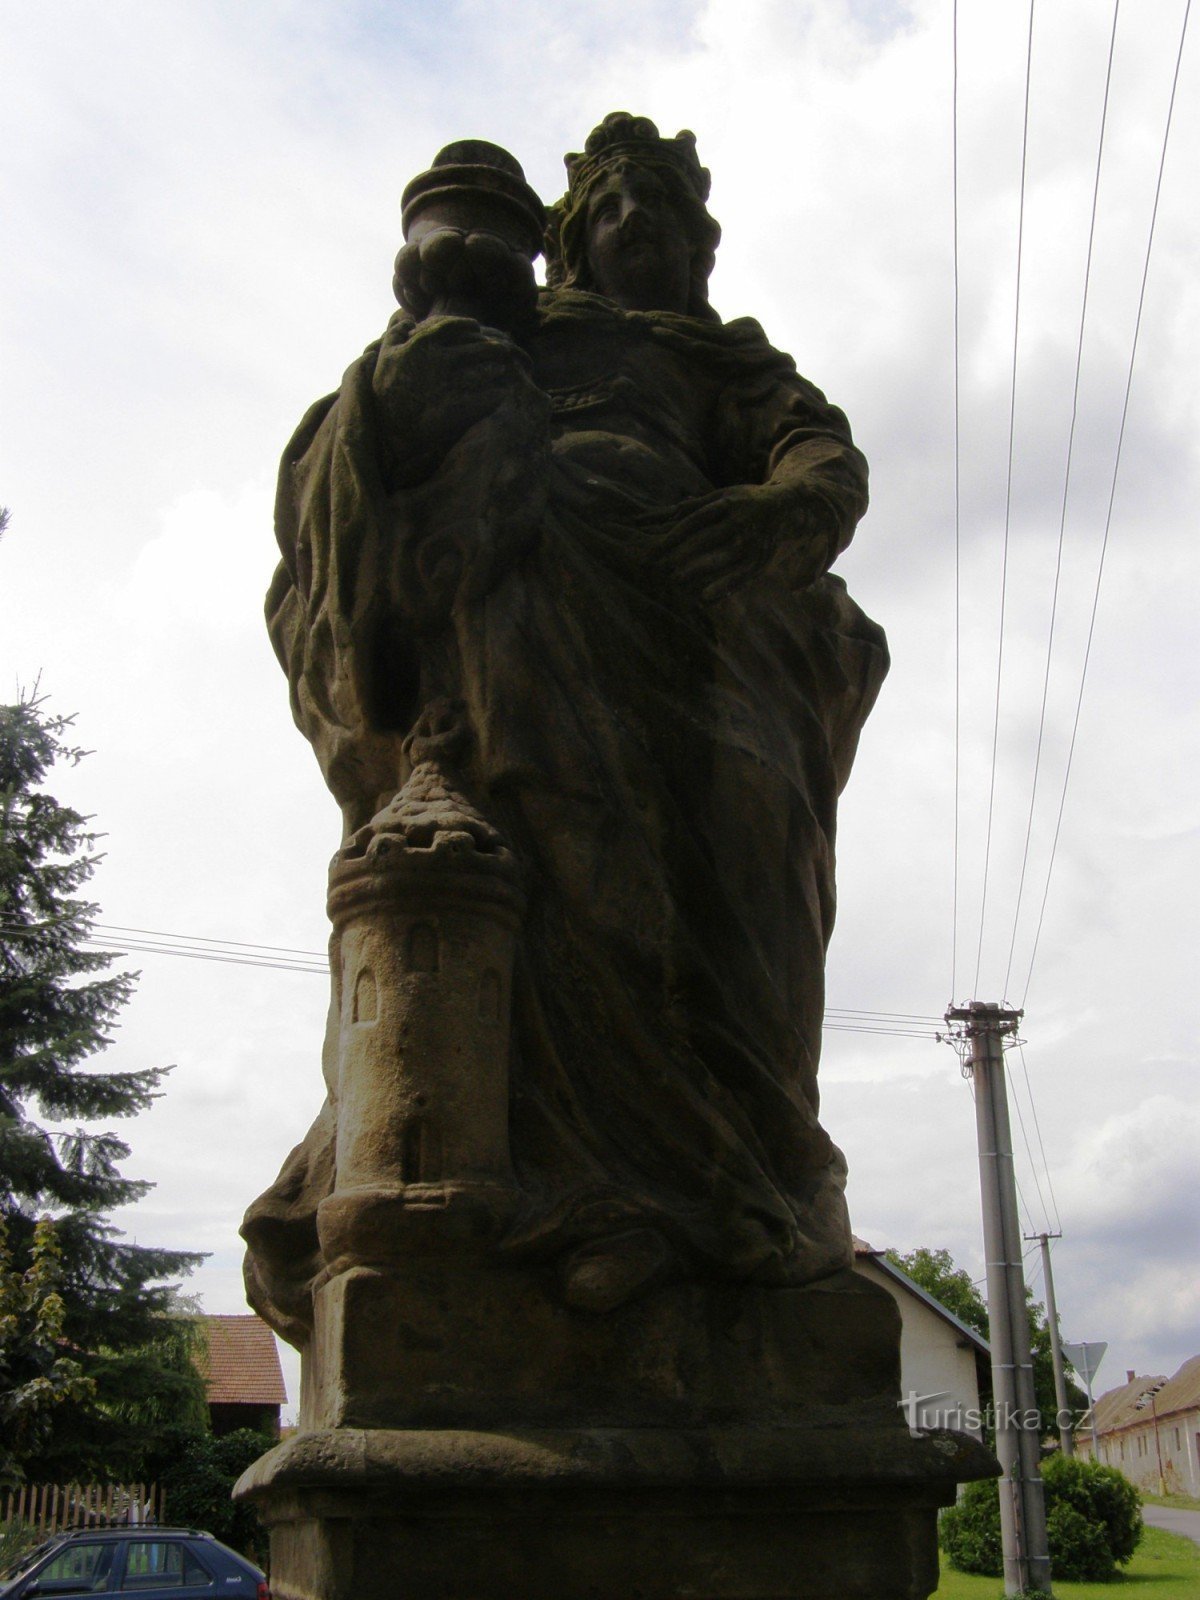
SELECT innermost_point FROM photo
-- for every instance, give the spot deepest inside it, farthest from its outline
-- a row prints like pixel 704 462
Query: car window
pixel 162 1564
pixel 195 1573
pixel 78 1569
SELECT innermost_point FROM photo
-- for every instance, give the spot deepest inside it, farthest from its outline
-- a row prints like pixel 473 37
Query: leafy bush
pixel 1079 1550
pixel 970 1531
pixel 1093 1520
pixel 1101 1495
pixel 198 1481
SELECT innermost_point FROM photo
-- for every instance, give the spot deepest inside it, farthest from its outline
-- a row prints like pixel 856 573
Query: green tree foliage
pixel 1079 1553
pixel 58 1008
pixel 1093 1520
pixel 969 1532
pixel 938 1275
pixel 197 1472
pixel 1102 1496
pixel 36 1373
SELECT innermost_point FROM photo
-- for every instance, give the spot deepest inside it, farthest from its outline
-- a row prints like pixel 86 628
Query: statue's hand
pixel 717 542
pixel 436 384
pixel 456 272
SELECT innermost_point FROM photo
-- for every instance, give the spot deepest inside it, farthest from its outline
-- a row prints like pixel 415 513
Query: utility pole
pixel 1162 1482
pixel 1066 1434
pixel 1022 1497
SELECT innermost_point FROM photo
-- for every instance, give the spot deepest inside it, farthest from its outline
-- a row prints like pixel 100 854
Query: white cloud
pixel 1128 1175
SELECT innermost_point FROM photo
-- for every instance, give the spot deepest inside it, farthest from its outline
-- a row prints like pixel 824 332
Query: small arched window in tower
pixel 422 1153
pixel 422 948
pixel 366 997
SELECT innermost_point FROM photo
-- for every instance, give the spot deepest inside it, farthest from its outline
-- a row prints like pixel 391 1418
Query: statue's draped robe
pixel 665 768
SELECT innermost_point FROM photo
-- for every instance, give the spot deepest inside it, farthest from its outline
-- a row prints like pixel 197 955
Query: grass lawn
pixel 1164 1567
pixel 1182 1502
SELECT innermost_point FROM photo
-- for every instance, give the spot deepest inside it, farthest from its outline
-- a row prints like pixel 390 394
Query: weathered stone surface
pixel 585 574
pixel 565 1248
pixel 591 1514
pixel 439 1346
pixel 732 1442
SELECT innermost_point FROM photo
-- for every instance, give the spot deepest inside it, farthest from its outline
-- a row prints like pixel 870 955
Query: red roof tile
pixel 241 1366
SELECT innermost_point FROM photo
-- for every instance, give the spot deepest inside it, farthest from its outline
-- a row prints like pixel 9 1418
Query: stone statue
pixel 557 617
pixel 598 561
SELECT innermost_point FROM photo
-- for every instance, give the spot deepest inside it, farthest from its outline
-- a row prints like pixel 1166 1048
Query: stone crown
pixel 622 135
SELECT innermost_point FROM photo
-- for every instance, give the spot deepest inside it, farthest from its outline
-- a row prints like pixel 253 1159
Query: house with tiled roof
pixel 242 1374
pixel 945 1366
pixel 1149 1429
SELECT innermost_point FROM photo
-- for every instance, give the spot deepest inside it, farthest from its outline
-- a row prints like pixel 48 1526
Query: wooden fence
pixel 50 1507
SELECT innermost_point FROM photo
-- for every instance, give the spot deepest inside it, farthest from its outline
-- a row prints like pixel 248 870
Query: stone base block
pixel 446 1345
pixel 608 1514
pixel 468 1436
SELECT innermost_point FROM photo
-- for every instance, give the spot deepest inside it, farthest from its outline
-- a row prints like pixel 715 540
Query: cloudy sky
pixel 201 208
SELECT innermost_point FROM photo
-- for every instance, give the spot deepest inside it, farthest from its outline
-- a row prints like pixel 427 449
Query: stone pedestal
pixel 713 1442
pixel 473 1425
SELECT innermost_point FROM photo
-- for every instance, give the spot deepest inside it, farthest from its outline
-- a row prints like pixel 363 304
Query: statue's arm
pixel 821 478
pixel 332 599
pixel 413 487
pixel 432 383
pixel 795 488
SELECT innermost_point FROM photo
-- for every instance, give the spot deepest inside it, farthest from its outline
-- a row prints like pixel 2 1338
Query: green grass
pixel 1164 1567
pixel 1181 1502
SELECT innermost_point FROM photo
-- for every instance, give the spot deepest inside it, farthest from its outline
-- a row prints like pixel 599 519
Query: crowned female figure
pixel 567 587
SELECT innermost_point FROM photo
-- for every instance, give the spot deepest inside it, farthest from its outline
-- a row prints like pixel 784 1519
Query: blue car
pixel 155 1563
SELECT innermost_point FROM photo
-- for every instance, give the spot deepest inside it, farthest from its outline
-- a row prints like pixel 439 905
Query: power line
pixel 199 938
pixel 135 947
pixel 160 941
pixel 1012 416
pixel 1039 1270
pixel 194 947
pixel 1111 497
pixel 893 1032
pixel 1016 1100
pixel 1041 1144
pixel 957 522
pixel 1062 521
pixel 891 1016
pixel 289 958
pixel 1024 1209
pixel 1056 585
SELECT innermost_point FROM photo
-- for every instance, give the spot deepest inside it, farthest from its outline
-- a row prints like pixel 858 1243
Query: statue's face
pixel 638 247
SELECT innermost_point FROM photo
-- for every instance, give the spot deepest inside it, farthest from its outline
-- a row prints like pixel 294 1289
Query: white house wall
pixel 1134 1452
pixel 933 1360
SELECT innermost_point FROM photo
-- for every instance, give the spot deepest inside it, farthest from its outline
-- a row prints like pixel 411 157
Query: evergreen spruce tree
pixel 58 1008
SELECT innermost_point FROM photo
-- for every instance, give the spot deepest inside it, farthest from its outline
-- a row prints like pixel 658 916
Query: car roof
pixel 140 1530
pixel 134 1530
